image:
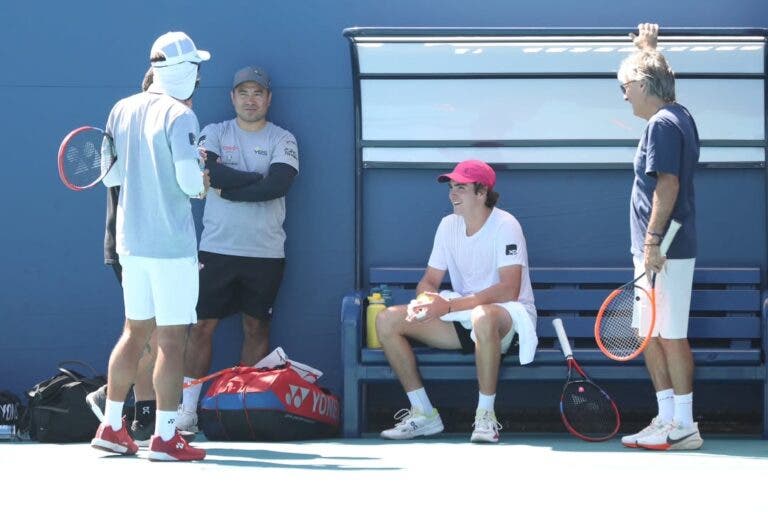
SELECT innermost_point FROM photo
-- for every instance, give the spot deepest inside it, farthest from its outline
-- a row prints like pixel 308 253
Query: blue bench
pixel 727 330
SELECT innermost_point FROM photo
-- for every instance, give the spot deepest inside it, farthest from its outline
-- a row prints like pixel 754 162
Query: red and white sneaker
pixel 114 441
pixel 175 449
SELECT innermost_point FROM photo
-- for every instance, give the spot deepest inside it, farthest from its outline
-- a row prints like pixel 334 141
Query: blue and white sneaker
pixel 414 423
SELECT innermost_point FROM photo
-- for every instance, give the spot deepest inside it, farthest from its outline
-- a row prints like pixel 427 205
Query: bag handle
pixel 234 369
pixel 72 374
pixel 201 380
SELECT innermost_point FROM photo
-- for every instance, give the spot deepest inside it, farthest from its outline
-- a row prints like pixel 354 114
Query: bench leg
pixel 351 411
pixel 765 406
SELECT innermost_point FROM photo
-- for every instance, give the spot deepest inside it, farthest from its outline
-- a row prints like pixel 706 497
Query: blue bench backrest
pixel 725 304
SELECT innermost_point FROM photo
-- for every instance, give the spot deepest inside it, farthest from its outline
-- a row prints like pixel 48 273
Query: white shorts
pixel 165 289
pixel 673 298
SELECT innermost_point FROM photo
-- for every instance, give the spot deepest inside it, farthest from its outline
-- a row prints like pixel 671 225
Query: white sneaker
pixel 673 437
pixel 630 441
pixel 187 421
pixel 486 427
pixel 414 423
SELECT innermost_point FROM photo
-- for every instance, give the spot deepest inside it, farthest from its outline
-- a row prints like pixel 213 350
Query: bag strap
pixel 73 374
pixel 234 369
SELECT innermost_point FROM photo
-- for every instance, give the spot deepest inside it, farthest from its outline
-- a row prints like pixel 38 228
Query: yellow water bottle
pixel 375 305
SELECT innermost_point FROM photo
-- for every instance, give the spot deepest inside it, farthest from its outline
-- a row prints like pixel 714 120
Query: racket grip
pixel 562 338
pixel 669 236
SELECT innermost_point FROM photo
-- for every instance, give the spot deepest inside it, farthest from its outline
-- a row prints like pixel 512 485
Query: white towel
pixel 278 357
pixel 521 319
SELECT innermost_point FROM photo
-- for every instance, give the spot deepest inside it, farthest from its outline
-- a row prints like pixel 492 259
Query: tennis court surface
pixel 445 472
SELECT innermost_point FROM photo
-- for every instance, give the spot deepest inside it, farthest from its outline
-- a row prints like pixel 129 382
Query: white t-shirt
pixel 239 228
pixel 154 216
pixel 473 262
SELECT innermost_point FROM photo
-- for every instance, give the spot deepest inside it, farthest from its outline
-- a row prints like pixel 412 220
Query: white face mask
pixel 177 81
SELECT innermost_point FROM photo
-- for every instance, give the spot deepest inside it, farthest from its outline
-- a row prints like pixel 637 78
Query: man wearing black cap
pixel 483 249
pixel 252 164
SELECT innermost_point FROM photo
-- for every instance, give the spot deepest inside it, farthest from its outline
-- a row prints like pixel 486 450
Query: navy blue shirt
pixel 669 144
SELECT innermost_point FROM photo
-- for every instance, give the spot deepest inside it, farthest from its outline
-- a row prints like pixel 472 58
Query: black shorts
pixel 468 346
pixel 232 284
pixel 465 338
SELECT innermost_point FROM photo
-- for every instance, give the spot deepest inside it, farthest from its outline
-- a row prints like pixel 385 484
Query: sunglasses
pixel 623 86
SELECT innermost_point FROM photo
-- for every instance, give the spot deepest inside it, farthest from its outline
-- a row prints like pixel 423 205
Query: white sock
pixel 420 400
pixel 113 414
pixel 165 424
pixel 666 401
pixel 684 410
pixel 486 402
pixel 190 396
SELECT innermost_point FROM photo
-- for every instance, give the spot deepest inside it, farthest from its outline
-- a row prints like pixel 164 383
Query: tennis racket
pixel 85 156
pixel 586 410
pixel 626 319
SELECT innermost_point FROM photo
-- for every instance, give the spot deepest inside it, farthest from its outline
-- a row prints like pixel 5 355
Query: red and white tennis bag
pixel 267 404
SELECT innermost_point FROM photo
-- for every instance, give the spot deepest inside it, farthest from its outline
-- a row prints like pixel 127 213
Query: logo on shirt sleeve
pixel 512 250
pixel 192 139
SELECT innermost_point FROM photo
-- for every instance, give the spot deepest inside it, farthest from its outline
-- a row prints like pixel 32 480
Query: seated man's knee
pixel 387 321
pixel 485 323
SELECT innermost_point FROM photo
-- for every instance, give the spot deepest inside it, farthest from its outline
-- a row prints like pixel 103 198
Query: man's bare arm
pixel 647 36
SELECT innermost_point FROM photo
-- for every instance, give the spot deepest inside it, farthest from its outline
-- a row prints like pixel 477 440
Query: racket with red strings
pixel 587 411
pixel 85 156
pixel 625 321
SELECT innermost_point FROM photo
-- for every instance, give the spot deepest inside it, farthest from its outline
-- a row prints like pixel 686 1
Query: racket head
pixel 587 411
pixel 85 156
pixel 625 321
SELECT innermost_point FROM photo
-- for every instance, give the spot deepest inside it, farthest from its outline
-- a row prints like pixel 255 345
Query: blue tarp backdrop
pixel 67 63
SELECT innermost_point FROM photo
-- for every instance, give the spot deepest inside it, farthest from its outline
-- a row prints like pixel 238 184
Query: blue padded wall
pixel 64 66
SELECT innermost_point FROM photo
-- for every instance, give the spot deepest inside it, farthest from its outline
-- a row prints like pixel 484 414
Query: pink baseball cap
pixel 471 171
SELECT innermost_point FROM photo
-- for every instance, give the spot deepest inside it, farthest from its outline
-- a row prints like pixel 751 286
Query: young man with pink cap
pixel 483 249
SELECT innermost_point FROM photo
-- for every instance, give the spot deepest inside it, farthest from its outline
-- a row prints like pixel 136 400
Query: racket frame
pixel 669 236
pixel 62 156
pixel 574 365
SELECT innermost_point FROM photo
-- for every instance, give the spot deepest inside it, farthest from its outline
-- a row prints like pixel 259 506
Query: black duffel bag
pixel 57 410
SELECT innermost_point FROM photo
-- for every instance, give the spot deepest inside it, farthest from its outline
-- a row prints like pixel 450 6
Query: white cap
pixel 176 47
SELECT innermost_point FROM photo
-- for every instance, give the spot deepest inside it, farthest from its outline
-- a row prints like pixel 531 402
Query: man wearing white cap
pixel 157 169
pixel 253 163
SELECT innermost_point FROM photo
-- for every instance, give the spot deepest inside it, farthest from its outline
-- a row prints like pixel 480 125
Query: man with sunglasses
pixel 662 190
pixel 252 164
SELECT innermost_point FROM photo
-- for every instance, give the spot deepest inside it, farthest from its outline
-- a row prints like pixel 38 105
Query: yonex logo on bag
pixel 296 396
pixel 324 405
pixel 8 412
